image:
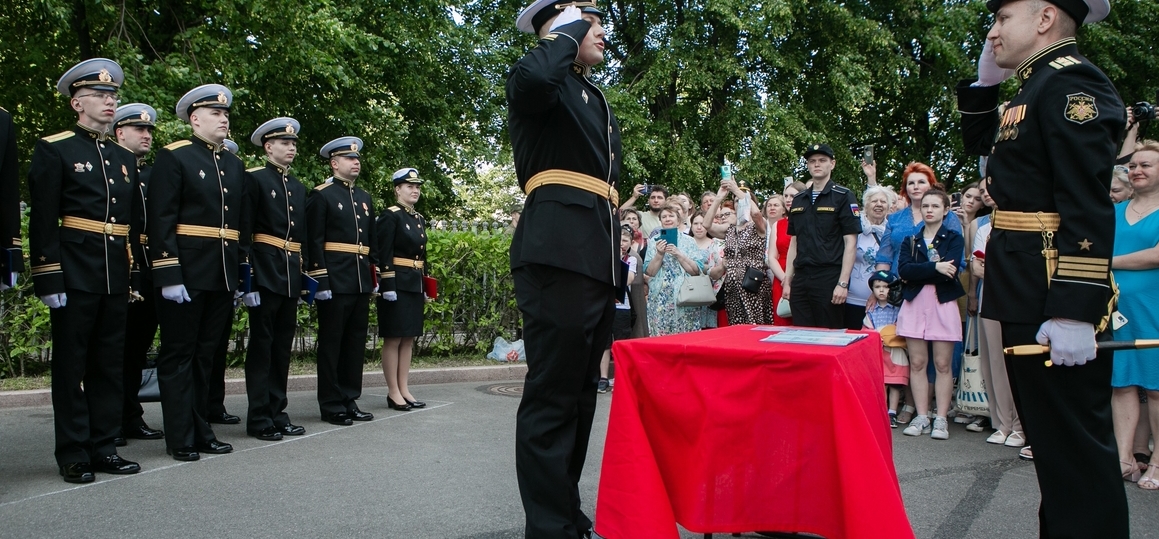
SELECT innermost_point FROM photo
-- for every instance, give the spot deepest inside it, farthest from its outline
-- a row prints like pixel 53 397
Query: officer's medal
pixel 125 171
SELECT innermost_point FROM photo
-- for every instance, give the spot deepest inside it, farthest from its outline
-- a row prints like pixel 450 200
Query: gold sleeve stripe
pixel 17 242
pixel 166 262
pixel 386 275
pixel 46 268
pixel 1082 267
pixel 316 273
pixel 1082 274
pixel 178 144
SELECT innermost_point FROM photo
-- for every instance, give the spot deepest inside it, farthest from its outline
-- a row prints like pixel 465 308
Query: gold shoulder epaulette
pixel 255 169
pixel 322 186
pixel 59 136
pixel 394 208
pixel 179 144
pixel 1065 61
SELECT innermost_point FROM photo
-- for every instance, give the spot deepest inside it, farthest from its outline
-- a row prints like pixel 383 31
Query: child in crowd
pixel 622 322
pixel 881 315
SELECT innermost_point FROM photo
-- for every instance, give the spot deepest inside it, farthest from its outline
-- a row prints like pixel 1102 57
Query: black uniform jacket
pixel 339 211
pixel 199 183
pixel 278 206
pixel 1051 151
pixel 560 120
pixel 139 239
pixel 917 269
pixel 9 197
pixel 821 227
pixel 401 233
pixel 80 173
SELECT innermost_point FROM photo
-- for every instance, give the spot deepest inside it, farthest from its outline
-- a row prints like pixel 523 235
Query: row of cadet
pixel 119 248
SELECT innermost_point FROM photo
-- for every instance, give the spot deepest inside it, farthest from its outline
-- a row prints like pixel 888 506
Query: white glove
pixel 989 74
pixel 1071 342
pixel 390 296
pixel 55 301
pixel 323 295
pixel 569 15
pixel 375 291
pixel 4 286
pixel 253 299
pixel 175 292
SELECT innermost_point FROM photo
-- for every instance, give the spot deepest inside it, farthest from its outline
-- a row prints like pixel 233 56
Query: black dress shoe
pixel 395 406
pixel 183 453
pixel 224 418
pixel 340 419
pixel 77 472
pixel 359 415
pixel 215 446
pixel 269 434
pixel 114 464
pixel 119 441
pixel 292 430
pixel 143 432
pixel 416 404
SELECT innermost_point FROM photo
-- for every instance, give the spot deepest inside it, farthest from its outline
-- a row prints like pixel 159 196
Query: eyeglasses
pixel 1144 165
pixel 1121 168
pixel 724 214
pixel 103 96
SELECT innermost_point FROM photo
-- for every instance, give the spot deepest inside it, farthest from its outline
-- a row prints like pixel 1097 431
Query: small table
pixel 720 432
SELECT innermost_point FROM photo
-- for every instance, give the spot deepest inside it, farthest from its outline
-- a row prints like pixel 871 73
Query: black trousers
pixel 88 338
pixel 215 397
pixel 1066 414
pixel 854 316
pixel 811 298
pixel 267 360
pixel 140 331
pixel 190 335
pixel 567 324
pixel 342 322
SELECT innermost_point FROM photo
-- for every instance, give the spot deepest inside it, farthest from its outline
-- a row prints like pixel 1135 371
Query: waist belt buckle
pixel 221 233
pixel 109 229
pixel 286 246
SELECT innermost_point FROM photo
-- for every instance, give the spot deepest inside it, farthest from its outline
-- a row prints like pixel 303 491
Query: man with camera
pixel 657 196
pixel 1051 153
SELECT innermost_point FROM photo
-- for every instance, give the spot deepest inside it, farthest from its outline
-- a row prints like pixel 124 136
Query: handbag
pixel 753 279
pixel 971 395
pixel 696 291
pixel 783 309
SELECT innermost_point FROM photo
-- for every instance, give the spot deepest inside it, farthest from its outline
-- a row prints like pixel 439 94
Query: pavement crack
pixel 987 477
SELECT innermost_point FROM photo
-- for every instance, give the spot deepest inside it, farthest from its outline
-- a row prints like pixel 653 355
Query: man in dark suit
pixel 11 257
pixel 133 127
pixel 1048 259
pixel 82 186
pixel 564 255
pixel 278 209
pixel 195 208
pixel 341 255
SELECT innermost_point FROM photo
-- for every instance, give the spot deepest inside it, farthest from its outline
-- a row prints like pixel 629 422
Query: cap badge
pixel 104 76
pixel 354 147
pixel 221 98
pixel 145 116
pixel 412 174
pixel 289 129
pixel 816 147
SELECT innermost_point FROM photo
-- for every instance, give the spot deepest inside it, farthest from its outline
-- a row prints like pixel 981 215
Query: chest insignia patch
pixel 365 209
pixel 339 206
pixel 584 94
pixel 856 210
pixel 1080 108
pixel 273 194
pixel 408 226
pixel 78 167
pixel 201 173
pixel 89 166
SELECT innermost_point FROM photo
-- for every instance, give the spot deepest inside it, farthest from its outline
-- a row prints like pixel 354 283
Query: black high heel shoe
pixel 416 404
pixel 400 407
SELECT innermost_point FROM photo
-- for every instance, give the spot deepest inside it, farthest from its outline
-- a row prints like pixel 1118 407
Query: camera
pixel 1143 111
pixel 955 200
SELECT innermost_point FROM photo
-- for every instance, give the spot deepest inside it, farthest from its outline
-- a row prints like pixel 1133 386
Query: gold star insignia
pixel 1085 245
pixel 164 254
pixel 42 259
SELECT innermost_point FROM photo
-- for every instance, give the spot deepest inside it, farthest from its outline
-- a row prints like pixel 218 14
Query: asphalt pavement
pixel 443 472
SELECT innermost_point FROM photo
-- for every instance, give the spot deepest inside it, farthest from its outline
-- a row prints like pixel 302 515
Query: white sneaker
pixel 961 418
pixel 920 425
pixel 1016 439
pixel 998 437
pixel 941 429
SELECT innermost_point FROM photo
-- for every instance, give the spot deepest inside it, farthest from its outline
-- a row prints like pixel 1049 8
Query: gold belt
pixel 407 263
pixel 293 247
pixel 99 227
pixel 199 231
pixel 590 184
pixel 346 248
pixel 1026 222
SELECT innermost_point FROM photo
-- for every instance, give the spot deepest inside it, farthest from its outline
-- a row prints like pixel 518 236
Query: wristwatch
pixel 843 284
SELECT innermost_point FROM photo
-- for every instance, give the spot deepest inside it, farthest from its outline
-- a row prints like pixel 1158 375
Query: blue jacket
pixel 916 269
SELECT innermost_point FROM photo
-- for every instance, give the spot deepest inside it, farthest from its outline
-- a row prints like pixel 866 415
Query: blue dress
pixel 1137 297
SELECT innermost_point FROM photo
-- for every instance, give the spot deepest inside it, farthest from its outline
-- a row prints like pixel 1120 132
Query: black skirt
pixel 401 318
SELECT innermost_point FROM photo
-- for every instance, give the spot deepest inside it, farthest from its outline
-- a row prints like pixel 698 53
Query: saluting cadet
pixel 278 206
pixel 1051 158
pixel 133 126
pixel 340 221
pixel 402 251
pixel 564 255
pixel 195 209
pixel 11 256
pixel 82 186
pixel 824 223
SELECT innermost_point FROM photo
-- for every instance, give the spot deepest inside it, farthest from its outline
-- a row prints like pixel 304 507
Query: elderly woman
pixel 744 248
pixel 1121 188
pixel 665 266
pixel 1136 269
pixel 876 203
pixel 777 238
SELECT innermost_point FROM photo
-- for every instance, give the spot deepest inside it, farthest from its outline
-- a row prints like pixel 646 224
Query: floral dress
pixel 664 316
pixel 745 248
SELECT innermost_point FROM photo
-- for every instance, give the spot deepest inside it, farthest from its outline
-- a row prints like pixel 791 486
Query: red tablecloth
pixel 720 432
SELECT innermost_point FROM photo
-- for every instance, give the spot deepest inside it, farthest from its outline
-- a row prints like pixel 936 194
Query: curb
pixel 309 382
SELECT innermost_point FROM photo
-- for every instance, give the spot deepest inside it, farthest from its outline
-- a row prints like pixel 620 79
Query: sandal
pixel 1025 453
pixel 1149 482
pixel 1143 459
pixel 906 415
pixel 1133 473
